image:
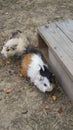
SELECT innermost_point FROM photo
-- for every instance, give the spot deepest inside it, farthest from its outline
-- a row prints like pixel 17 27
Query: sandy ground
pixel 24 107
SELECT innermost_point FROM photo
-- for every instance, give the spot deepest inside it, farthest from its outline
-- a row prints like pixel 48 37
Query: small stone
pixel 60 110
pixel 54 98
pixel 25 112
pixel 1 80
pixel 7 62
pixel 9 90
pixel 20 75
pixel 6 13
pixel 47 107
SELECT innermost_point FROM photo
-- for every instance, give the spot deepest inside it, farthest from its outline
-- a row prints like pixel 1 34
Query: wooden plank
pixel 62 40
pixel 61 75
pixel 56 41
pixel 67 28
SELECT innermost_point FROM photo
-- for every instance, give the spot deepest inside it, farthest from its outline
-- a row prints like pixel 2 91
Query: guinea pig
pixel 36 69
pixel 15 45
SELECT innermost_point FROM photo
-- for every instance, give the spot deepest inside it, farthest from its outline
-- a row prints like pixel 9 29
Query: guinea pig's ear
pixel 14 47
pixel 15 34
pixel 42 71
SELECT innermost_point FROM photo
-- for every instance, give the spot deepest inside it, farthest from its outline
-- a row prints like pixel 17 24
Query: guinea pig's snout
pixel 3 53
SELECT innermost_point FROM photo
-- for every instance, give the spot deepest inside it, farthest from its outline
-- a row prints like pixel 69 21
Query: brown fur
pixel 25 64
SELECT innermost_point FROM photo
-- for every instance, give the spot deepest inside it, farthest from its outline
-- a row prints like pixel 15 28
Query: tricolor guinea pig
pixel 34 67
pixel 15 45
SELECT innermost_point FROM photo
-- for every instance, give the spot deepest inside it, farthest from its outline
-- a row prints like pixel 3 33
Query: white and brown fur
pixel 32 64
pixel 34 67
pixel 15 45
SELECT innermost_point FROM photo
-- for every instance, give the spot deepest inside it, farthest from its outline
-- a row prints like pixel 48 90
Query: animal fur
pixel 33 66
pixel 25 64
pixel 15 45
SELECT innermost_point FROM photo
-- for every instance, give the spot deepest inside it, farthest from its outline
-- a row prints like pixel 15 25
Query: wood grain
pixel 59 39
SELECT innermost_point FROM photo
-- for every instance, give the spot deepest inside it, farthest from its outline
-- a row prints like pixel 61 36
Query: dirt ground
pixel 24 107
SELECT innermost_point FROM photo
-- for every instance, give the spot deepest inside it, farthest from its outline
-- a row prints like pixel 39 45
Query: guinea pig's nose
pixel 4 54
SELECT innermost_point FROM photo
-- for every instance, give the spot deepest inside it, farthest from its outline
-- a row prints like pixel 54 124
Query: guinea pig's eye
pixel 8 49
pixel 45 84
pixel 14 47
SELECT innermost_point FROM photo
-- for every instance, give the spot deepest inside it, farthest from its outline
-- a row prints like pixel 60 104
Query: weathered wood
pixel 59 39
pixel 61 75
pixel 67 28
